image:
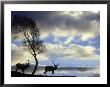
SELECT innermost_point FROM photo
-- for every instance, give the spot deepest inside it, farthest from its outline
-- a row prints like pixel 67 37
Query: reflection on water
pixel 70 71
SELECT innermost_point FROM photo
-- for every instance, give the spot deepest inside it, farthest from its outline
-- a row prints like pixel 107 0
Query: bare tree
pixel 31 33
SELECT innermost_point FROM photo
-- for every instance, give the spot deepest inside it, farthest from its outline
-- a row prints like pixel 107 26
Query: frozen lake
pixel 66 71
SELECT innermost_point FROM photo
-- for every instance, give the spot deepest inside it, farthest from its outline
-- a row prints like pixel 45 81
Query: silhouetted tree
pixel 30 31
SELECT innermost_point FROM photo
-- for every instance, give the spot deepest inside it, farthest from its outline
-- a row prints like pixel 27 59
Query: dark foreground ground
pixel 19 74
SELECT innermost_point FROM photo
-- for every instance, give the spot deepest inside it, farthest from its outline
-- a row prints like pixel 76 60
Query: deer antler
pixel 53 62
pixel 28 61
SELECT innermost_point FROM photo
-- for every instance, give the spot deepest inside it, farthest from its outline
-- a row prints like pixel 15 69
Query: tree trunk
pixel 35 68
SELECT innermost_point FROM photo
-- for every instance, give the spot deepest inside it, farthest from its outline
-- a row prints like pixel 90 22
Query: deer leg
pixel 45 72
pixel 16 69
pixel 52 72
pixel 23 70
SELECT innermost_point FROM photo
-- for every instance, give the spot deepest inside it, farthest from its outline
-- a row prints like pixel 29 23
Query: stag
pixel 22 67
pixel 51 68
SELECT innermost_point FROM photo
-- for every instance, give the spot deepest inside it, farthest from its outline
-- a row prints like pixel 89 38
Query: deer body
pixel 51 68
pixel 22 66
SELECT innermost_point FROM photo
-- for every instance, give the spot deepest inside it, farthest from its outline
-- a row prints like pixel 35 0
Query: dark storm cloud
pixel 89 16
pixel 49 20
pixel 72 22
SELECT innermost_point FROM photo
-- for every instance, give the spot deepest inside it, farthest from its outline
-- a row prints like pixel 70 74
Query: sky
pixel 72 38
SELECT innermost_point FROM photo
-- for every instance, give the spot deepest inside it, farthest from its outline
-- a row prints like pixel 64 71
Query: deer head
pixel 28 63
pixel 22 66
pixel 55 65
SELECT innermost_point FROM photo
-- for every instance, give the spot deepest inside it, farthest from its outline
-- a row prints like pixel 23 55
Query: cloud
pixel 87 25
pixel 55 51
pixel 92 15
pixel 69 39
pixel 82 24
pixel 16 54
pixel 66 23
pixel 20 54
pixel 87 36
pixel 72 51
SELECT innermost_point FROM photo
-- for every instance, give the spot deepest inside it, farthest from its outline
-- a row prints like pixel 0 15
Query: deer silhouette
pixel 22 66
pixel 51 68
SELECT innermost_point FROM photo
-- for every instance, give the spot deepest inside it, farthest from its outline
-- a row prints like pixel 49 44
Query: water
pixel 68 71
